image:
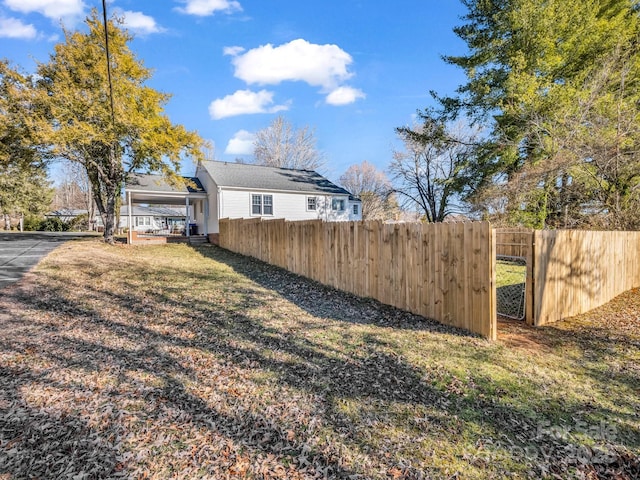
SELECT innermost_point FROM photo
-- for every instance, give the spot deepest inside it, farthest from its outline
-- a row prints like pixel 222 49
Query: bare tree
pixel 75 192
pixel 281 145
pixel 374 190
pixel 208 150
pixel 429 173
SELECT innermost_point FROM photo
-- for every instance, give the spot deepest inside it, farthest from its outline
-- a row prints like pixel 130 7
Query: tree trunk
pixel 109 217
pixel 106 187
pixel 7 222
pixel 106 202
pixel 91 208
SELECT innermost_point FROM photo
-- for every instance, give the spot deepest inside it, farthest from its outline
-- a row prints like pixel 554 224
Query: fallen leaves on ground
pixel 173 362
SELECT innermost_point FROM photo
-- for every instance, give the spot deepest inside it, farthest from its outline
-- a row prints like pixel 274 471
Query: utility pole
pixel 106 45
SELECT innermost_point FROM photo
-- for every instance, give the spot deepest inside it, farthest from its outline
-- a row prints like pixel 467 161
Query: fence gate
pixel 514 273
pixel 511 292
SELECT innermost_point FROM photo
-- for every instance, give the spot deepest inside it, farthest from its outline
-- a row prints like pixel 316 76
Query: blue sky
pixel 353 70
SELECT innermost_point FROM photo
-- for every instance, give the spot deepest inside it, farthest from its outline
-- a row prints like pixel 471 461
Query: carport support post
pixel 186 227
pixel 130 220
pixel 206 215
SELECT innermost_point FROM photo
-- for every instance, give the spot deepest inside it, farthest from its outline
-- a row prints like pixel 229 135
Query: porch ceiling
pixel 164 198
pixel 156 190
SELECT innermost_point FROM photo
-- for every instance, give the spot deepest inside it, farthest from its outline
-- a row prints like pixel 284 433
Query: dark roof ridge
pixel 226 162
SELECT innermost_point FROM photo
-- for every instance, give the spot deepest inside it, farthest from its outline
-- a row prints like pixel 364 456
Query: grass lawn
pixel 175 362
pixel 510 272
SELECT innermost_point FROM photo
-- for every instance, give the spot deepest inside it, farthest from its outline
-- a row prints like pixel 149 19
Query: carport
pixel 144 189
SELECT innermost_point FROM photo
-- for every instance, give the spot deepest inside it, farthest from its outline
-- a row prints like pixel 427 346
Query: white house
pixel 66 214
pixel 154 219
pixel 143 219
pixel 237 190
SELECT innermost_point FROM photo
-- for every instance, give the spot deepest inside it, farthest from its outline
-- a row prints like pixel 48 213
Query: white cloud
pixel 318 65
pixel 325 66
pixel 233 51
pixel 140 23
pixel 244 102
pixel 205 8
pixel 344 96
pixel 241 143
pixel 14 28
pixel 54 9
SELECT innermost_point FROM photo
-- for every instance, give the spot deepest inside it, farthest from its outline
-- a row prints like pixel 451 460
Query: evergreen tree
pixel 557 81
pixel 17 140
pixel 23 190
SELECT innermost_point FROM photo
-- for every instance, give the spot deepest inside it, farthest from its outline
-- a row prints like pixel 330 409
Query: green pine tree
pixel 23 191
pixel 556 81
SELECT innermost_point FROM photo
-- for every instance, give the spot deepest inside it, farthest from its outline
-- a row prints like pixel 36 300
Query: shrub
pixel 53 225
pixel 79 223
pixel 32 223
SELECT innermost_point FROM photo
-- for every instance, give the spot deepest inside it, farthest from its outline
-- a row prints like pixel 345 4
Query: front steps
pixel 198 240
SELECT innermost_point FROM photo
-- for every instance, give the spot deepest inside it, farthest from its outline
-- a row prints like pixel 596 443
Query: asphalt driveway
pixel 19 252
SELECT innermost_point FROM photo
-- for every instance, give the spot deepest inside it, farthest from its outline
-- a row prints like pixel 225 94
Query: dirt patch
pixel 517 334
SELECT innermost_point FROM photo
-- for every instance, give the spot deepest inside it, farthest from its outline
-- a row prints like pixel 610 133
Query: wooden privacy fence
pixel 575 271
pixel 570 272
pixel 514 242
pixel 441 271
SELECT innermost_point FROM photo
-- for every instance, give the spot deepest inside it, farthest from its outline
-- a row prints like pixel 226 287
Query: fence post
pixel 529 314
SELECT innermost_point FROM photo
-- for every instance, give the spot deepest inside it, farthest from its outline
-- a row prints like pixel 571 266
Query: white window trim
pixel 143 221
pixel 261 195
pixel 315 209
pixel 251 204
pixel 267 214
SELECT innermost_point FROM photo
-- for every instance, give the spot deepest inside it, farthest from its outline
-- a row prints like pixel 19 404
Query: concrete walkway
pixel 19 252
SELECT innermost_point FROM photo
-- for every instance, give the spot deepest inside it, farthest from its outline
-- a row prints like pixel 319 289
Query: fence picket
pixel 439 271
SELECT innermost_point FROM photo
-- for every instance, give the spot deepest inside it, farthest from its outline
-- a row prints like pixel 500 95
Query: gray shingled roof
pixel 258 177
pixel 153 211
pixel 157 183
pixel 67 212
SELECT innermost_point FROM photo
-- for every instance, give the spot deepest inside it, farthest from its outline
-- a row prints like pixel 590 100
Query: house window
pixel 267 204
pixel 356 210
pixel 311 203
pixel 337 204
pixel 256 204
pixel 261 204
pixel 143 221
